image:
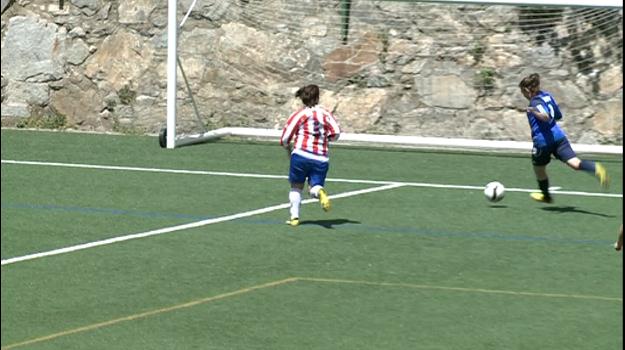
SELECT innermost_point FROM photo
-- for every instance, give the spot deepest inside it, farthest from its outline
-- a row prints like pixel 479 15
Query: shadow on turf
pixel 572 209
pixel 329 224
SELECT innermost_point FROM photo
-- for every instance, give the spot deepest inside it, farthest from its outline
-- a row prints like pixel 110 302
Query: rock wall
pixel 405 68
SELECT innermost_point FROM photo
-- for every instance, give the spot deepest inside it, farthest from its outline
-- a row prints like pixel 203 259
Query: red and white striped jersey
pixel 311 129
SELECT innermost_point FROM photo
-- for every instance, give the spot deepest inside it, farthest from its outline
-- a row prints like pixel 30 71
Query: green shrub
pixel 126 95
pixel 485 80
pixel 477 51
pixel 39 119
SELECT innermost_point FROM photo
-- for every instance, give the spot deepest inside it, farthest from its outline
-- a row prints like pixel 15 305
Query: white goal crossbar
pixel 169 138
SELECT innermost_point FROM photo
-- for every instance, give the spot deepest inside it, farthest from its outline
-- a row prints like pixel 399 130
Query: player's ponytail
pixel 531 83
pixel 309 95
pixel 534 81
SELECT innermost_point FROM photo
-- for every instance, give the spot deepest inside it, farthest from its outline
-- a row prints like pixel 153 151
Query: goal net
pixel 432 74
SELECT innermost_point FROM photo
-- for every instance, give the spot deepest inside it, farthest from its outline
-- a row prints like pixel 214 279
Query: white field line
pixel 185 226
pixel 150 170
pixel 264 176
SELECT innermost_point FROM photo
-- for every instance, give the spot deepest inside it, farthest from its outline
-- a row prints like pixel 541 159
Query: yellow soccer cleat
pixel 293 222
pixel 324 200
pixel 539 197
pixel 602 175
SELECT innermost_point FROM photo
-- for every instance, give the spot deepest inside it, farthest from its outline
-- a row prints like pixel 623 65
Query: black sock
pixel 588 166
pixel 544 187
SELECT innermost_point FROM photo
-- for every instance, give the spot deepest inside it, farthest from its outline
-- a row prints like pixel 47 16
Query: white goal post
pixel 170 139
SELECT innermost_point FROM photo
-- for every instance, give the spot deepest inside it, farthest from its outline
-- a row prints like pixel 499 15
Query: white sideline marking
pixel 151 170
pixel 186 226
pixel 264 176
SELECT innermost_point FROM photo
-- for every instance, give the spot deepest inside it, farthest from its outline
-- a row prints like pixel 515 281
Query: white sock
pixel 314 191
pixel 295 197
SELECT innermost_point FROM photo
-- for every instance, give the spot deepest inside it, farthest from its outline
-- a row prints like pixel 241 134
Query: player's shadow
pixel 330 223
pixel 572 209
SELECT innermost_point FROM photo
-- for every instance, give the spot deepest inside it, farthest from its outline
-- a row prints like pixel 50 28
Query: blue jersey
pixel 545 133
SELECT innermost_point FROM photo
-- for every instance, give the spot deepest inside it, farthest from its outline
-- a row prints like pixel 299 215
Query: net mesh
pixel 399 67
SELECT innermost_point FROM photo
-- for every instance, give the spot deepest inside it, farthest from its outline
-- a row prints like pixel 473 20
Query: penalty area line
pixel 186 226
pixel 281 177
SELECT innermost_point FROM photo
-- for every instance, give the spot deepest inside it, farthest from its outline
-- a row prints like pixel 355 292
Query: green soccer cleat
pixel 539 197
pixel 293 222
pixel 602 175
pixel 324 200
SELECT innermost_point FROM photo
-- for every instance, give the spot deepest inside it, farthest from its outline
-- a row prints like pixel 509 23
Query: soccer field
pixel 110 242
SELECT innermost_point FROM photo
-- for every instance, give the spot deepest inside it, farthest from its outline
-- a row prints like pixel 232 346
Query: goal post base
pixel 186 140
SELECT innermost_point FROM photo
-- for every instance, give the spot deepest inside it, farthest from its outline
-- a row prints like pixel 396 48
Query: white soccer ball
pixel 494 191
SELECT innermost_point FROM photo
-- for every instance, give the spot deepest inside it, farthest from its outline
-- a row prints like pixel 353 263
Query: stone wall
pixel 430 70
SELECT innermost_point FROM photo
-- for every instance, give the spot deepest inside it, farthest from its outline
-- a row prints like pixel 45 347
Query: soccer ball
pixel 494 191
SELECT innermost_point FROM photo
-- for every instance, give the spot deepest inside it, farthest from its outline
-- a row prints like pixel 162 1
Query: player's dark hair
pixel 309 95
pixel 531 82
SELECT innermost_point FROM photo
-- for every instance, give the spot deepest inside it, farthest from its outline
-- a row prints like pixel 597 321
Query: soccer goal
pixel 440 74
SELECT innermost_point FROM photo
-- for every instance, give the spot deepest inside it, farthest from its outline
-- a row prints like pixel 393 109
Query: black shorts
pixel 561 150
